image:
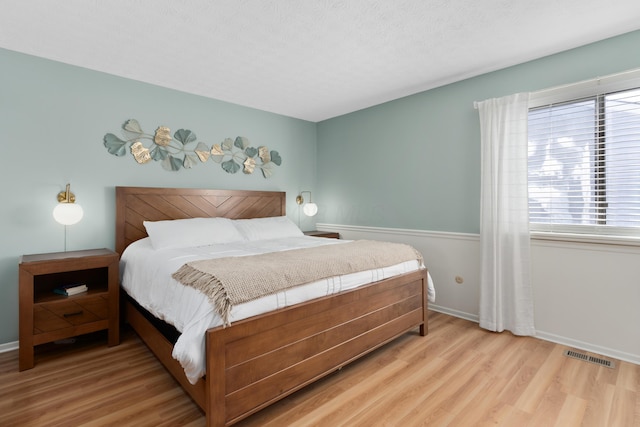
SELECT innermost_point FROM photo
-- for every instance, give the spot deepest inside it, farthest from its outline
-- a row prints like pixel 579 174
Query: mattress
pixel 146 277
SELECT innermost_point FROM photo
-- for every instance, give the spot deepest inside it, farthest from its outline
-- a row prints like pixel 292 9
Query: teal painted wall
pixel 414 162
pixel 53 118
pixel 411 163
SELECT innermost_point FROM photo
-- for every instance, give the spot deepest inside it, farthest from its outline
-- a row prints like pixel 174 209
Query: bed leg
pixel 424 328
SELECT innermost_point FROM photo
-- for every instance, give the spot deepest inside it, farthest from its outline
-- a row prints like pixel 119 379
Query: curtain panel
pixel 506 297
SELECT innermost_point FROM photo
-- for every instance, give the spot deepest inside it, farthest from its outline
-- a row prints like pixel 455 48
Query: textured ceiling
pixel 309 59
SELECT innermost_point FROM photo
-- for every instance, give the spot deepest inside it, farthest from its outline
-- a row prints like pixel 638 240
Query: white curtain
pixel 506 297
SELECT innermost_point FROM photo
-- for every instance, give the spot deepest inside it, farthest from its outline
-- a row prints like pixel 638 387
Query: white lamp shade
pixel 68 213
pixel 310 209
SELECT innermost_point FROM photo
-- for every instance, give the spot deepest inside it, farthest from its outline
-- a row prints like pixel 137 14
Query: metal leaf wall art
pixel 183 150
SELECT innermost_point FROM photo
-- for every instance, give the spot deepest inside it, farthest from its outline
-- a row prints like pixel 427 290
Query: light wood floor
pixel 458 375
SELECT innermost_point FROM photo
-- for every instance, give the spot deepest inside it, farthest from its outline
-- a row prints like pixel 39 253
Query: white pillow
pixel 274 227
pixel 192 232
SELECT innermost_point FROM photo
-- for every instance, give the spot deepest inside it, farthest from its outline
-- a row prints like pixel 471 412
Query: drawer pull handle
pixel 75 313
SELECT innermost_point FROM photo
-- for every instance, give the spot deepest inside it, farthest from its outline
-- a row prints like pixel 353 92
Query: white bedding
pixel 146 276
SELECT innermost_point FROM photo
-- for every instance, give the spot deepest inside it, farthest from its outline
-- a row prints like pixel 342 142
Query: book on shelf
pixel 68 290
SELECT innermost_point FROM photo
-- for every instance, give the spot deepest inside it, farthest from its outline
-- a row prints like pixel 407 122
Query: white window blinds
pixel 584 161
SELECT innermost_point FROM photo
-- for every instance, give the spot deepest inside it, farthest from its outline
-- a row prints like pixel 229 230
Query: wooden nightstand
pixel 46 316
pixel 328 234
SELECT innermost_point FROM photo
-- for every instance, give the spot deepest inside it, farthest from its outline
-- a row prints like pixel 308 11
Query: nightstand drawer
pixel 52 316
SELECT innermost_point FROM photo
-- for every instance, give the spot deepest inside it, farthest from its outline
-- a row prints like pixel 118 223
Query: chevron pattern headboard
pixel 137 204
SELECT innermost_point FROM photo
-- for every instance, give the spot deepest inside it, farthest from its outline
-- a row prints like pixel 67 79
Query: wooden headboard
pixel 137 204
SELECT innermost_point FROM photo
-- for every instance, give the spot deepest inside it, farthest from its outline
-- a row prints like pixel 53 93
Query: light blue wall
pixel 414 163
pixel 411 163
pixel 52 121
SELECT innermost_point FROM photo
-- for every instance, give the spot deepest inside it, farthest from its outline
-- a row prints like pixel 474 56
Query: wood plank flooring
pixel 458 375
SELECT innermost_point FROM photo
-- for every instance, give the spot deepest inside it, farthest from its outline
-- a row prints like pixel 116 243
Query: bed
pixel 254 362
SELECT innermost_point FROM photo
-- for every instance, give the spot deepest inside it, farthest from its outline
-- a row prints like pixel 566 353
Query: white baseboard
pixel 569 342
pixel 9 346
pixel 631 358
pixel 604 351
pixel 455 313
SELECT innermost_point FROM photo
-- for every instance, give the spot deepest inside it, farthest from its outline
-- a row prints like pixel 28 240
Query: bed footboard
pixel 267 357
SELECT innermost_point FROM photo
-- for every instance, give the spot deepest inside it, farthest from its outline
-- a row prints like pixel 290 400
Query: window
pixel 584 164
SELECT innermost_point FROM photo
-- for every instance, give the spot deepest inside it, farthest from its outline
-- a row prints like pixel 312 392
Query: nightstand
pixel 46 316
pixel 327 234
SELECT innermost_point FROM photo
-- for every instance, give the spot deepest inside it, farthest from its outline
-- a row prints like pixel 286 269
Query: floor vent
pixel 585 357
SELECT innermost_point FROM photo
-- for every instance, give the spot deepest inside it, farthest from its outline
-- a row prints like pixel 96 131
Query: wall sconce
pixel 67 212
pixel 310 208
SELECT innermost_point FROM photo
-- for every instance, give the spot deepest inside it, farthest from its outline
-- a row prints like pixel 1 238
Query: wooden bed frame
pixel 255 362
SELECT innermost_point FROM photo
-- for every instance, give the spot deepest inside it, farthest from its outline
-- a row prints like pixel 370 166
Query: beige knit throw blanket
pixel 234 280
